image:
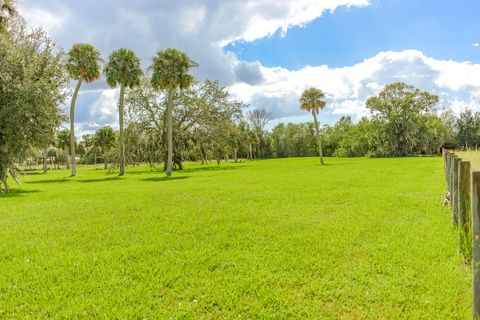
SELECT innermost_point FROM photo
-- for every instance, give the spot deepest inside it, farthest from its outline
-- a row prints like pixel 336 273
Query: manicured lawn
pixel 273 239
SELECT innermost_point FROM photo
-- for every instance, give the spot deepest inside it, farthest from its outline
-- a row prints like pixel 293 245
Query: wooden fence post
pixel 445 154
pixel 454 190
pixel 449 172
pixel 463 213
pixel 476 242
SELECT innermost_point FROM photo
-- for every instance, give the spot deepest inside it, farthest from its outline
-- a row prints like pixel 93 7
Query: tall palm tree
pixel 171 71
pixel 123 68
pixel 83 64
pixel 313 100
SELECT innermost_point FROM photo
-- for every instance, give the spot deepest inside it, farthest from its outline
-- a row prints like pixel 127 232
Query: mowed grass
pixel 273 239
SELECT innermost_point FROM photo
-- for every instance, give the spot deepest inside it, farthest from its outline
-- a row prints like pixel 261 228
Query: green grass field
pixel 273 239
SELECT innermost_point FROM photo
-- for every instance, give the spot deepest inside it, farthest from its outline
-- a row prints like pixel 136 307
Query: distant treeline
pixel 370 137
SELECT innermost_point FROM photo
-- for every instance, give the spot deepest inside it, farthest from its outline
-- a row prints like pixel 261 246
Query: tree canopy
pixel 33 84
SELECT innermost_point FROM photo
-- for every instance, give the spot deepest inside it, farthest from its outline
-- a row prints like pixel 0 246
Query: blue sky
pixel 442 29
pixel 266 52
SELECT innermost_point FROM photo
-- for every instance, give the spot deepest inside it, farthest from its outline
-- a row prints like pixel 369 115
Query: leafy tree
pixel 171 71
pixel 258 119
pixel 468 128
pixel 83 64
pixel 63 144
pixel 402 108
pixel 32 86
pixel 313 100
pixel 7 10
pixel 204 121
pixel 123 68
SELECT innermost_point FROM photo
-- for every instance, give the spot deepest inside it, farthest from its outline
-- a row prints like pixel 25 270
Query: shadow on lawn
pixel 17 193
pixel 101 179
pixel 158 179
pixel 48 181
pixel 212 168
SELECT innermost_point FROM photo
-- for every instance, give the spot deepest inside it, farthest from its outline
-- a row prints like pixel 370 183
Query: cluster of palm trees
pixel 170 71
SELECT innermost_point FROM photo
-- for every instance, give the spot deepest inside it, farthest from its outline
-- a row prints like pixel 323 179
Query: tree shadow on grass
pixel 212 168
pixel 333 164
pixel 159 179
pixel 48 181
pixel 101 180
pixel 17 193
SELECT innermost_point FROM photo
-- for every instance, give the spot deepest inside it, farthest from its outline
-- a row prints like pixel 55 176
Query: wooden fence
pixel 463 183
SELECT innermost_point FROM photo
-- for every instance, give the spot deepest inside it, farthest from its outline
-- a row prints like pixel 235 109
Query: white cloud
pixel 199 27
pixel 477 44
pixel 47 20
pixel 348 88
pixel 264 18
pixel 203 27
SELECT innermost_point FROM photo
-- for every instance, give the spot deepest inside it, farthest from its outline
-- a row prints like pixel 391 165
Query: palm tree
pixel 104 140
pixel 123 68
pixel 83 63
pixel 170 71
pixel 313 100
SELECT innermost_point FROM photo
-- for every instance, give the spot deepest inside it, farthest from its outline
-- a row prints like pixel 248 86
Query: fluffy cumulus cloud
pixel 202 28
pixel 347 88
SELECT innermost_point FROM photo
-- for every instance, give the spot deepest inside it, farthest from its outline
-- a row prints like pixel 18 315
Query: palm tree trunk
pixel 169 117
pixel 319 140
pixel 72 127
pixel 122 137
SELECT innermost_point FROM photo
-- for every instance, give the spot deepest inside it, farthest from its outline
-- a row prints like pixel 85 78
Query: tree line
pixel 166 117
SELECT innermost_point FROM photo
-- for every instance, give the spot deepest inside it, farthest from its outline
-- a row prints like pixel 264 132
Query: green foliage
pixel 7 10
pixel 123 68
pixel 83 62
pixel 63 140
pixel 104 139
pixel 403 109
pixel 171 70
pixel 205 121
pixel 32 85
pixel 293 140
pixel 312 100
pixel 274 239
pixel 468 129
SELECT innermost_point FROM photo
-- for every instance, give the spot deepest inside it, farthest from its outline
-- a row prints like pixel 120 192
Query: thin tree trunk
pixel 45 164
pixel 250 151
pixel 235 154
pixel 95 161
pixel 5 183
pixel 122 137
pixel 72 127
pixel 169 117
pixel 319 140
